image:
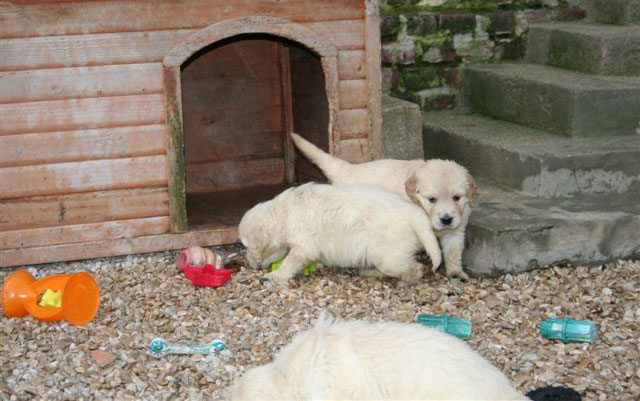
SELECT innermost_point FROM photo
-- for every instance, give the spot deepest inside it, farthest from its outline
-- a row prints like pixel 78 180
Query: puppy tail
pixel 422 227
pixel 329 165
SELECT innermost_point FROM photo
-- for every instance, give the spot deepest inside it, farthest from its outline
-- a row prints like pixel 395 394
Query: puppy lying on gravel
pixel 341 226
pixel 443 188
pixel 359 360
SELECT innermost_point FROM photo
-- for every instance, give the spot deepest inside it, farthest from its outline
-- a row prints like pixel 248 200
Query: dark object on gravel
pixel 551 393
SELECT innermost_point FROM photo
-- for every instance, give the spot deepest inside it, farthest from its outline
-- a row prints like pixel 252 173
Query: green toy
pixel 307 271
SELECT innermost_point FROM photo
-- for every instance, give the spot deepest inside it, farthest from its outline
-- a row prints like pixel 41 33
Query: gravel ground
pixel 145 296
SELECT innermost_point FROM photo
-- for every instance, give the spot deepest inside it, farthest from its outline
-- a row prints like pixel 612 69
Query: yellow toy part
pixel 51 298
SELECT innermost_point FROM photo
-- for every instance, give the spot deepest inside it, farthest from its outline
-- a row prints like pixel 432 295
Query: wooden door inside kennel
pixel 241 97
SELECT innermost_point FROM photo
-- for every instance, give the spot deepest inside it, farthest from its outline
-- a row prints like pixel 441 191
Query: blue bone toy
pixel 159 348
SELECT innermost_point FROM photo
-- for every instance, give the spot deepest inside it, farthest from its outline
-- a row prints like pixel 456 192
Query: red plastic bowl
pixel 207 276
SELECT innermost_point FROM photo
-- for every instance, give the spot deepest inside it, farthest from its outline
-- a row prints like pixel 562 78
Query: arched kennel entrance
pixel 236 97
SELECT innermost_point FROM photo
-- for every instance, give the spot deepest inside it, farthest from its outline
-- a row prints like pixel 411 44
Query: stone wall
pixel 425 42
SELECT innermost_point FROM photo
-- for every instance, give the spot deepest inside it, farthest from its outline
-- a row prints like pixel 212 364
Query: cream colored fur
pixel 443 188
pixel 357 360
pixel 341 226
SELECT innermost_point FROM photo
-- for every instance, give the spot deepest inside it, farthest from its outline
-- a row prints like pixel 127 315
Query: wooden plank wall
pixel 82 132
pixel 232 117
pixel 310 109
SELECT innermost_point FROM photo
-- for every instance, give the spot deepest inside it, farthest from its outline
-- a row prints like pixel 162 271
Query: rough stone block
pixel 470 47
pixel 509 233
pixel 390 79
pixel 457 22
pixel 587 47
pixel 399 53
pixel 502 22
pixel 452 77
pixel 532 161
pixel 401 129
pixel 418 78
pixel 422 24
pixel 618 12
pixel 442 98
pixel 389 26
pixel 554 100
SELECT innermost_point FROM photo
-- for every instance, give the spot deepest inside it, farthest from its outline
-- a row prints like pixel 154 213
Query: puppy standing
pixel 342 226
pixel 359 360
pixel 443 188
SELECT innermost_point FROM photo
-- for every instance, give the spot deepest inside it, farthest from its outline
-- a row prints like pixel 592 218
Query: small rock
pixel 102 358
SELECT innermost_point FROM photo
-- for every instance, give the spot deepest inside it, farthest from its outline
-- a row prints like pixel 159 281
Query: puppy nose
pixel 446 220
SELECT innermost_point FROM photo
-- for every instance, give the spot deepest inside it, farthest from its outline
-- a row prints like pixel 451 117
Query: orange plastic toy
pixel 80 297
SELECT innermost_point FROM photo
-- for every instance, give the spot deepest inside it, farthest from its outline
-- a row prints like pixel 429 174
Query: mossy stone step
pixel 532 161
pixel 587 47
pixel 556 100
pixel 511 233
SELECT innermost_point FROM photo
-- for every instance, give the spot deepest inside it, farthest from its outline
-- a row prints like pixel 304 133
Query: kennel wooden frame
pixel 91 134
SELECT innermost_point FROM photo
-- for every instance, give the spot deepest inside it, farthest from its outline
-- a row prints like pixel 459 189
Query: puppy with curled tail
pixel 442 188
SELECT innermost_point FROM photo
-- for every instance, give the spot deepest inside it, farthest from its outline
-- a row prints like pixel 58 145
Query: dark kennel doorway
pixel 240 99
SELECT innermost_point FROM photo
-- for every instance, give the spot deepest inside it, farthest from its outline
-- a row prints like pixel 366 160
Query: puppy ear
pixel 472 191
pixel 411 186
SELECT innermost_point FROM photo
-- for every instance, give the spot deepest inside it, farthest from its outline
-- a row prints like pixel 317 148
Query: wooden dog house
pixel 136 126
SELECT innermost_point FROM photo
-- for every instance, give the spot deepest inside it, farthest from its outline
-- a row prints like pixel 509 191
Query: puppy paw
pixel 273 278
pixel 412 276
pixel 459 274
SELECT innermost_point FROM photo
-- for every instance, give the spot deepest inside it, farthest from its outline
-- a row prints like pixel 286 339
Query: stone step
pixel 402 128
pixel 531 161
pixel 618 12
pixel 587 47
pixel 554 99
pixel 511 233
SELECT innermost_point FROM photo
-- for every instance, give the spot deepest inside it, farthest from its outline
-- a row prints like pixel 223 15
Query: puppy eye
pixel 432 200
pixel 456 198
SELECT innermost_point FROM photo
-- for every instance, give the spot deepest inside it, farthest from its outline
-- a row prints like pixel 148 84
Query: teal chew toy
pixel 307 271
pixel 159 348
pixel 458 327
pixel 569 330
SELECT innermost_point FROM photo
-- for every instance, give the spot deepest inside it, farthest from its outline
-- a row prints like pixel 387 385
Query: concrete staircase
pixel 554 143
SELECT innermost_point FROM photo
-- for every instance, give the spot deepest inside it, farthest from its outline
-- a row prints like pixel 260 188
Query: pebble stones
pixel 145 296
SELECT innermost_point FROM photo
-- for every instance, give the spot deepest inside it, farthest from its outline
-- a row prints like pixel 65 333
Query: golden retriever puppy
pixel 341 226
pixel 443 188
pixel 358 360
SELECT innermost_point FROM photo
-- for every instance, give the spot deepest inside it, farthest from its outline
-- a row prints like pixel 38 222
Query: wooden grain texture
pixel 374 77
pixel 69 146
pixel 229 132
pixel 22 19
pixel 231 102
pixel 122 246
pixel 88 50
pixel 310 107
pixel 287 113
pixel 240 57
pixel 175 150
pixel 83 232
pixel 351 64
pixel 77 114
pixel 354 94
pixel 355 150
pixel 148 47
pixel 98 175
pixel 234 174
pixel 92 207
pixel 353 123
pixel 80 82
pixel 323 38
